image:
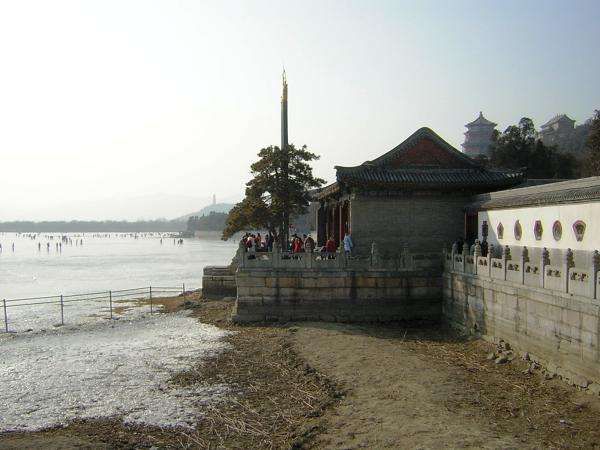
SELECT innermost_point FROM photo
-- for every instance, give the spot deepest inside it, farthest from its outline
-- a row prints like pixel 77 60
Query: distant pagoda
pixel 557 130
pixel 478 137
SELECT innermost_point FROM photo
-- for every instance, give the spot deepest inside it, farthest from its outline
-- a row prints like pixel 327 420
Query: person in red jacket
pixel 297 246
pixel 330 245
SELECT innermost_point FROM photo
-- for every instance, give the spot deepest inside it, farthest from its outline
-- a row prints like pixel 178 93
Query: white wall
pixel 566 214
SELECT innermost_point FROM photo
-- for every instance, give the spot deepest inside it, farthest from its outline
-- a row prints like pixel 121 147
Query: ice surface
pixel 39 317
pixel 102 370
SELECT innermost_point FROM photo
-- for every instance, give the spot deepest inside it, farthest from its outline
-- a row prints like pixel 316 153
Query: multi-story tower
pixel 557 130
pixel 478 137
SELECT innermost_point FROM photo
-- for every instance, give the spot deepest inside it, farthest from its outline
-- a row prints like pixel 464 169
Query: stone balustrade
pixel 544 302
pixel 338 287
pixel 404 261
pixel 554 274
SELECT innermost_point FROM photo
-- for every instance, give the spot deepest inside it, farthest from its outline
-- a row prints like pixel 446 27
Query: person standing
pixel 330 247
pixel 297 245
pixel 348 244
pixel 309 244
pixel 269 242
pixel 252 247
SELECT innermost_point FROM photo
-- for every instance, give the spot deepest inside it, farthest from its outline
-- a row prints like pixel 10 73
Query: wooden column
pixel 341 219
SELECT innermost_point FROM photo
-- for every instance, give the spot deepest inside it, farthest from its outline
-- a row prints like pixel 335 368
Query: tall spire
pixel 284 116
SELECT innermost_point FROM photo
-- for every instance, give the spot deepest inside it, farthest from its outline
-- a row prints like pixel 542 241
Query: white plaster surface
pixel 106 370
pixel 567 214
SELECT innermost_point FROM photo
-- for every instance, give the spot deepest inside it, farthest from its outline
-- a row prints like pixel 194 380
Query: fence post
pixel 5 316
pixel 62 310
pixel 505 258
pixel 476 254
pixel 567 265
pixel 150 299
pixel 183 290
pixel 544 261
pixel 110 303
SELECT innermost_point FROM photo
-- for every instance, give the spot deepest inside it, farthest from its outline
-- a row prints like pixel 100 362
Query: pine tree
pixel 591 165
pixel 279 189
pixel 518 148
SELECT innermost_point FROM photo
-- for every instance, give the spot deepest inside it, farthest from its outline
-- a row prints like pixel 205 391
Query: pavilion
pixel 413 196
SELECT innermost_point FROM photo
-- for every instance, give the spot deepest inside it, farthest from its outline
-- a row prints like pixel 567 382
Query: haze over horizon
pixel 144 109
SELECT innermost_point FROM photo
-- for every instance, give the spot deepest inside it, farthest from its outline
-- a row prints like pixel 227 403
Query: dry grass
pixel 281 402
pixel 279 398
pixel 545 413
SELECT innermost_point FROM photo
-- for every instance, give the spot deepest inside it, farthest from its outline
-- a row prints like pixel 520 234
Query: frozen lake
pixel 103 263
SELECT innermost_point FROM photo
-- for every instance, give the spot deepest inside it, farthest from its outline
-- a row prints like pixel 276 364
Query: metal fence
pixel 105 301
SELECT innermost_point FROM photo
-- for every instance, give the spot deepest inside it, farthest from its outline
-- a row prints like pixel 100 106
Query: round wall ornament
pixel 518 230
pixel 579 230
pixel 557 230
pixel 538 230
pixel 500 231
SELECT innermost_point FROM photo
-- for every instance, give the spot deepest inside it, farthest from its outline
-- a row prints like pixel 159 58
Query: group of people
pixel 302 244
pixel 257 243
pixel 297 244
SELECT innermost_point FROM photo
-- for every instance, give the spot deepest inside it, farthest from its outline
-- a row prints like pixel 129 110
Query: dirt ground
pixel 410 388
pixel 318 385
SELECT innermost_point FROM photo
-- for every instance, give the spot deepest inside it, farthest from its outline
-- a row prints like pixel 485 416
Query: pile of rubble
pixel 504 354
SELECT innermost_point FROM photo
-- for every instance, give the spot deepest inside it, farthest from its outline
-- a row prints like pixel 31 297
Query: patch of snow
pixel 101 370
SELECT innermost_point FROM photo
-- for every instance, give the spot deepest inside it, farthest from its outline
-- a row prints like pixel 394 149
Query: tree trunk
pixel 284 232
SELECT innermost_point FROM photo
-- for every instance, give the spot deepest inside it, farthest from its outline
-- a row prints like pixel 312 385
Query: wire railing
pixel 106 301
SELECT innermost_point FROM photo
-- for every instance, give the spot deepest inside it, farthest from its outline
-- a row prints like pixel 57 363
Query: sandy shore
pixel 316 385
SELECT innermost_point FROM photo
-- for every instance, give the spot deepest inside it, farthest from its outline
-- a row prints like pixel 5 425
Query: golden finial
pixel 284 95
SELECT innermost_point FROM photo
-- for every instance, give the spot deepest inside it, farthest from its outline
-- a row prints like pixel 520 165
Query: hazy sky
pixel 129 109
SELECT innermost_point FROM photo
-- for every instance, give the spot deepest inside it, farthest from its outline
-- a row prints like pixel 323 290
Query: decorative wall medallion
pixel 579 229
pixel 538 230
pixel 557 230
pixel 484 229
pixel 500 231
pixel 518 230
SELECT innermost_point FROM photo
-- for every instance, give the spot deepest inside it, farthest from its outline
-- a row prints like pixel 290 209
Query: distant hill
pixel 215 221
pixel 92 226
pixel 223 208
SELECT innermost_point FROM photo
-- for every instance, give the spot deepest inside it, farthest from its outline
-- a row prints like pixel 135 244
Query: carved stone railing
pixel 403 261
pixel 532 275
pixel 581 282
pixel 562 277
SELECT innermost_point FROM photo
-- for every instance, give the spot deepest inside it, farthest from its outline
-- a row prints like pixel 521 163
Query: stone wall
pixel 337 287
pixel 337 295
pixel 218 282
pixel 549 310
pixel 418 221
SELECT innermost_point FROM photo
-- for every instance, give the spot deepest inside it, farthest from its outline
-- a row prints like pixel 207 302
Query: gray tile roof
pixel 427 178
pixel 557 118
pixel 441 168
pixel 572 191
